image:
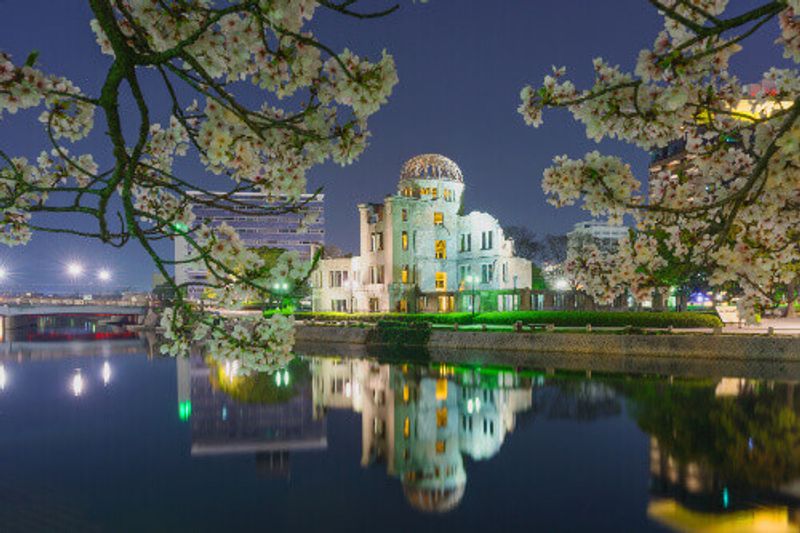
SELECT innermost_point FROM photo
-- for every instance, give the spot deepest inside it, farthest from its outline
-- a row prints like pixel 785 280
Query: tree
pixel 732 207
pixel 525 243
pixel 203 52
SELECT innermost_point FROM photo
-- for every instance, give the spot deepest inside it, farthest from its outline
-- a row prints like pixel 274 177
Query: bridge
pixel 21 319
pixel 119 309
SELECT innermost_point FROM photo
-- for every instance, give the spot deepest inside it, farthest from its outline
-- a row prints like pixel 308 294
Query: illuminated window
pixel 405 393
pixel 441 281
pixel 404 274
pixel 441 417
pixel 404 215
pixel 441 447
pixel 441 389
pixel 438 218
pixel 406 427
pixel 404 306
pixel 404 240
pixel 440 249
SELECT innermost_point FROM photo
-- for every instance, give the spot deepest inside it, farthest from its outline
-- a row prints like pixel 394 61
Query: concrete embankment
pixel 695 346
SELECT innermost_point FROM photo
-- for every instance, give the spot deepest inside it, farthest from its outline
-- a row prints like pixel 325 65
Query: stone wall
pixel 702 346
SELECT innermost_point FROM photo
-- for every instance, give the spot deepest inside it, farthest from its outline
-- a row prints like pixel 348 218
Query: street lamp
pixel 3 273
pixel 103 275
pixel 74 270
pixel 472 280
pixel 280 288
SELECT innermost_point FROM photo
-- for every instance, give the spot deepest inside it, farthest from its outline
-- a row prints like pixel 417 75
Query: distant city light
pixel 103 274
pixel 106 373
pixel 74 269
pixel 77 383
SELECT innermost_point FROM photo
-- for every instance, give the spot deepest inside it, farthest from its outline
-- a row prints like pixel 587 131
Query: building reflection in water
pixel 418 420
pixel 421 420
pixel 232 414
pixel 723 453
pixel 738 470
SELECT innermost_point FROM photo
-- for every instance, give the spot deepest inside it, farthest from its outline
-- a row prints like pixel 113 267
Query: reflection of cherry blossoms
pixel 731 205
pixel 202 52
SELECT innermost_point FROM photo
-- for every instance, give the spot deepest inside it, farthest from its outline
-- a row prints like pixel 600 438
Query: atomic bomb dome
pixel 431 166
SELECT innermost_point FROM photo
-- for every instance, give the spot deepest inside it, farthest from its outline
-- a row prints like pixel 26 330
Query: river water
pixel 106 436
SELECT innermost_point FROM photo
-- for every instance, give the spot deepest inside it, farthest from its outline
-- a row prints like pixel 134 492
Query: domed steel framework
pixel 431 166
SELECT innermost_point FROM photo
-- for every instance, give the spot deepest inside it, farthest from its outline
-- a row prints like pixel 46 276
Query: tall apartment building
pixel 419 253
pixel 283 231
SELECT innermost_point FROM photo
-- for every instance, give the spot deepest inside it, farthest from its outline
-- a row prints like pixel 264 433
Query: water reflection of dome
pixel 431 166
pixel 434 500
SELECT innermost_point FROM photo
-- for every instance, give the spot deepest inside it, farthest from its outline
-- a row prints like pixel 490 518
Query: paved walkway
pixel 780 326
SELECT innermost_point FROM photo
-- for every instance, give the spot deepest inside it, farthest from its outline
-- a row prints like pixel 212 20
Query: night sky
pixel 461 66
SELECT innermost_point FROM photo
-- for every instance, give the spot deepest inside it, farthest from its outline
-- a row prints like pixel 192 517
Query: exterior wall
pixel 275 231
pixel 427 211
pixel 341 287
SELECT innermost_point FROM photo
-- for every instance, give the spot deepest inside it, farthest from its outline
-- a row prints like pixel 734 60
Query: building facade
pixel 419 253
pixel 301 232
pixel 602 234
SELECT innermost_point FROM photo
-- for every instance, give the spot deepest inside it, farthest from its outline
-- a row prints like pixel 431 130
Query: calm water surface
pixel 101 436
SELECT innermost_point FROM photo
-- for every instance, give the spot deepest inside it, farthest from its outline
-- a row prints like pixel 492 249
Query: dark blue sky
pixel 461 66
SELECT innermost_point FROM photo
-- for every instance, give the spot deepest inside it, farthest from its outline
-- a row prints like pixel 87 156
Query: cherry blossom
pixel 314 104
pixel 730 201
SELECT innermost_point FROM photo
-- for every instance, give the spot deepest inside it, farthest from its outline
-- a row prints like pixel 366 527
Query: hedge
pixel 641 319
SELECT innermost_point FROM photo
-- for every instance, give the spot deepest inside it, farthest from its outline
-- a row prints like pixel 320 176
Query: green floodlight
pixel 184 410
pixel 180 227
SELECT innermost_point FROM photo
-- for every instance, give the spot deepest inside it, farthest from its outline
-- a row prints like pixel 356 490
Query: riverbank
pixel 674 345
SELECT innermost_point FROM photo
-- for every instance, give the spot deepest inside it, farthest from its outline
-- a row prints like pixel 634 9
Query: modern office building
pixel 604 235
pixel 420 253
pixel 301 231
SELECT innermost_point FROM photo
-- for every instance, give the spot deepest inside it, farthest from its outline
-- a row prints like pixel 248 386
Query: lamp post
pixel 280 288
pixel 471 280
pixel 74 271
pixel 351 284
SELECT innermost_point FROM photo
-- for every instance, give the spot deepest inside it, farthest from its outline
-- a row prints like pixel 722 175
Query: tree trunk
pixel 791 296
pixel 680 301
pixel 658 300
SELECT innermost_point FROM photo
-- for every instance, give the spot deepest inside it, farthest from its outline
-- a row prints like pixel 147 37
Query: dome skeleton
pixel 431 166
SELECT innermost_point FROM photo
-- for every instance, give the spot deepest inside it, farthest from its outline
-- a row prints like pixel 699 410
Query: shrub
pixel 640 319
pixel 401 332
